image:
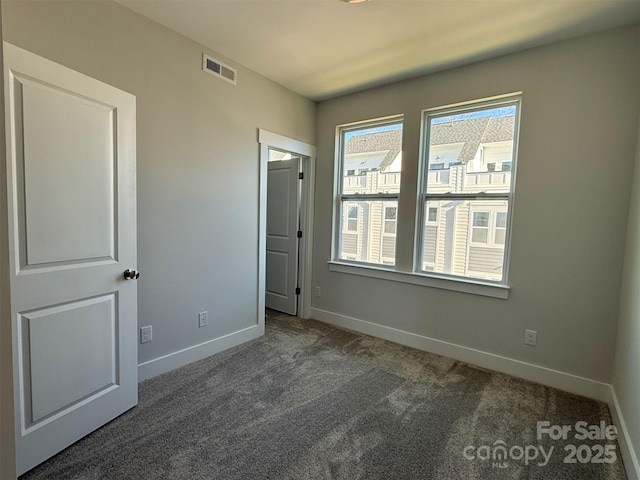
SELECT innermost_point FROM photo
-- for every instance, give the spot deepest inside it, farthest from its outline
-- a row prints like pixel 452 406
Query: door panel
pixel 282 241
pixel 71 179
pixel 277 273
pixel 66 221
pixel 87 330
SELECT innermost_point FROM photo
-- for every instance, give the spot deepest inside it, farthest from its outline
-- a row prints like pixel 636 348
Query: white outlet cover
pixel 530 337
pixel 146 334
pixel 203 319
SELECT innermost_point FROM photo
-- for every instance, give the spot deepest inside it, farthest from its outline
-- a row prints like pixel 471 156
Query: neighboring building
pixel 461 237
pixel 372 164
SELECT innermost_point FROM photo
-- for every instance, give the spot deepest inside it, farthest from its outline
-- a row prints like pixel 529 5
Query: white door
pixel 72 224
pixel 282 239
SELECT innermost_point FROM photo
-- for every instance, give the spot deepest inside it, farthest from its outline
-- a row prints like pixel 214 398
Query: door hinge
pixel 297 290
pixel 299 233
pixel 301 176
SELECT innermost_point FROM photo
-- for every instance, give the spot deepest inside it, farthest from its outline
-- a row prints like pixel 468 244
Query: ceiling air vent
pixel 219 69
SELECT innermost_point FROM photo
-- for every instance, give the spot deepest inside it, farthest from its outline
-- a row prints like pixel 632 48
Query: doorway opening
pixel 284 231
pixel 286 208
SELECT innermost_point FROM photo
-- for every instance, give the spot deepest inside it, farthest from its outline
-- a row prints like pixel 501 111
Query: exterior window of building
pixel 390 220
pixel 374 150
pixel 500 228
pixel 472 197
pixel 352 219
pixel 480 229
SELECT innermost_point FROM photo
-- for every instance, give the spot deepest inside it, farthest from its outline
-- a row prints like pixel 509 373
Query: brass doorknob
pixel 131 274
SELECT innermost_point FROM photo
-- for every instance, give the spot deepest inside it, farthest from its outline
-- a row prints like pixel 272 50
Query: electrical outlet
pixel 203 319
pixel 146 335
pixel 530 337
pixel 317 292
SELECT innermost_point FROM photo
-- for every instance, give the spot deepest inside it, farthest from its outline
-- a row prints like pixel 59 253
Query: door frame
pixel 307 153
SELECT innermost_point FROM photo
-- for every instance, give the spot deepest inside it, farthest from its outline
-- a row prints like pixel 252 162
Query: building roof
pixel 473 132
pixel 389 141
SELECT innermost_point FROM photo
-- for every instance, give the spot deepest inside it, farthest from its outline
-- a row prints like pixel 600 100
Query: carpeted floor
pixel 309 401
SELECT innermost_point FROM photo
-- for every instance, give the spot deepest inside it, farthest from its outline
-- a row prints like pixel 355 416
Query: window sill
pixel 474 287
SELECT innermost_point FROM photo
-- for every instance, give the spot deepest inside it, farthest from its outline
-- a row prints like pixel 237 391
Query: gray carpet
pixel 309 401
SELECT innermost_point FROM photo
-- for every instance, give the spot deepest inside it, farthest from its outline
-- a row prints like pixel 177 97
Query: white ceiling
pixel 325 48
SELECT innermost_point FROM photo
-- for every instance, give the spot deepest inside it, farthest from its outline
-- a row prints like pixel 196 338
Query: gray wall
pixel 577 146
pixel 197 159
pixel 626 381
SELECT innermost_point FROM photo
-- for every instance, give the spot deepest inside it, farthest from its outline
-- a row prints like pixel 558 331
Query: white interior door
pixel 72 225
pixel 282 240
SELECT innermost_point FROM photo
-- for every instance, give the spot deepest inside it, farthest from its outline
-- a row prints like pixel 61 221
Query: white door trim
pixel 268 139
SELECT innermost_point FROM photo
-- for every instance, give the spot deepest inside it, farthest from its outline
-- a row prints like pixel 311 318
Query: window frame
pixel 486 228
pixel 393 220
pixel 340 198
pixel 423 196
pixel 345 222
pixel 428 220
pixel 496 227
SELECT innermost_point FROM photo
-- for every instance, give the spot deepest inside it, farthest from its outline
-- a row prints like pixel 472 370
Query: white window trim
pixel 496 227
pixel 431 222
pixel 385 205
pixel 345 220
pixel 417 276
pixel 340 198
pixel 473 212
pixel 508 99
pixel 456 284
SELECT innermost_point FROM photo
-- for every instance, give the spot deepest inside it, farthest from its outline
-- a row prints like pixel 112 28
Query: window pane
pixel 480 219
pixel 471 152
pixel 432 215
pixel 375 153
pixel 454 246
pixel 501 220
pixel 390 213
pixel 373 238
pixel 500 236
pixel 479 235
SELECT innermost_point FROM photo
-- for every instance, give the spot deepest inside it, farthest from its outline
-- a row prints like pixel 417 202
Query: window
pixel 500 228
pixel 352 219
pixel 472 206
pixel 480 228
pixel 390 220
pixel 373 150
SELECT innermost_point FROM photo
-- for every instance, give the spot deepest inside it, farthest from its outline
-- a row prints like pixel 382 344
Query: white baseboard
pixel 631 464
pixel 542 375
pixel 166 363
